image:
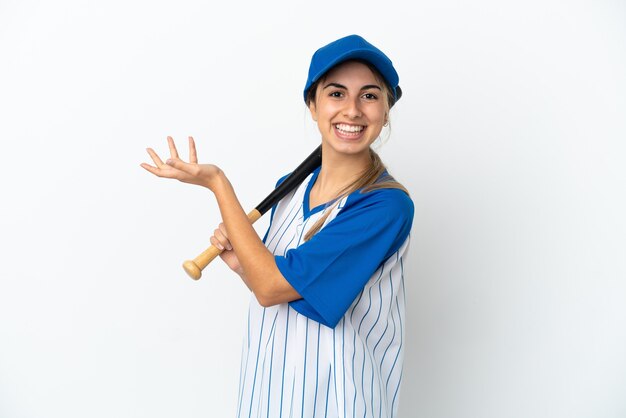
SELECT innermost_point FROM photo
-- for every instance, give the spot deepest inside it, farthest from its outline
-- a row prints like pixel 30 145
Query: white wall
pixel 510 137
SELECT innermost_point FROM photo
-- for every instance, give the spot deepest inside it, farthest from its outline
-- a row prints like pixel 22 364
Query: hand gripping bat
pixel 194 267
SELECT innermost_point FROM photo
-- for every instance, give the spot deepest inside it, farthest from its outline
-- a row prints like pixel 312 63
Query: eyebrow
pixel 341 86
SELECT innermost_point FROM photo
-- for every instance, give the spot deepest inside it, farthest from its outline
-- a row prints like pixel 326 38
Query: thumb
pixel 176 163
pixel 181 169
pixel 187 173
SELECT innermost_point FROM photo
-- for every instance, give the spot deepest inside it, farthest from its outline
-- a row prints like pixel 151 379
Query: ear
pixel 313 111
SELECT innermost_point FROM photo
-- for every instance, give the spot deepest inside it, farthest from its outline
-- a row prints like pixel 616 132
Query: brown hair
pixel 375 176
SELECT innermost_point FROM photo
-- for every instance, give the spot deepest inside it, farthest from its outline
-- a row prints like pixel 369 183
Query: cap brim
pixel 376 58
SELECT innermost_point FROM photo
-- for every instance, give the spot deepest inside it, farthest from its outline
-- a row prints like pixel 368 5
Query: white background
pixel 510 136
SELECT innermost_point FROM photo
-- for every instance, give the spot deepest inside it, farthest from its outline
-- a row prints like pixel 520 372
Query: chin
pixel 341 147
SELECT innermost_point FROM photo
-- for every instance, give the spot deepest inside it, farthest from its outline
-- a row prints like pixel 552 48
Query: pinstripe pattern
pixel 292 366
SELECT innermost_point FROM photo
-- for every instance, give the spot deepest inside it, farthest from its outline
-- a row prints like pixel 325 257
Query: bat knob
pixel 192 269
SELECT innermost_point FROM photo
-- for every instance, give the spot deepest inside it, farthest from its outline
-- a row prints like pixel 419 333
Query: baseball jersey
pixel 338 351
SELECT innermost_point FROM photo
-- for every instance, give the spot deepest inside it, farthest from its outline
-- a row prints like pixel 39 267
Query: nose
pixel 352 108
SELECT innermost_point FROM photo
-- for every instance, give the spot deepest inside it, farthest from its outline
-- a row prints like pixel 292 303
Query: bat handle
pixel 194 267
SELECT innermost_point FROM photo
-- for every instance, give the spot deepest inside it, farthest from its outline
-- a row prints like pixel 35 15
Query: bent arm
pixel 260 272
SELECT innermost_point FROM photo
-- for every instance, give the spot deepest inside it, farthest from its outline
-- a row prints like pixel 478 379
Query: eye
pixel 335 93
pixel 370 96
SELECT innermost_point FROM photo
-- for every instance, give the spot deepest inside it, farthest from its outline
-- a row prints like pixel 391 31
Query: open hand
pixel 175 168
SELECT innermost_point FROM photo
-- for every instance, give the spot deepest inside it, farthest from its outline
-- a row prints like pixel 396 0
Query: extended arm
pixel 258 267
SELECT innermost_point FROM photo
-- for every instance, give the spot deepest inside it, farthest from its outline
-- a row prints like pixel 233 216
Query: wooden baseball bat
pixel 194 267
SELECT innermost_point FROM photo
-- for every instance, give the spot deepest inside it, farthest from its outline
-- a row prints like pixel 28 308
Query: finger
pixel 154 170
pixel 180 165
pixel 157 161
pixel 173 150
pixel 223 239
pixel 193 155
pixel 162 169
pixel 216 243
pixel 223 230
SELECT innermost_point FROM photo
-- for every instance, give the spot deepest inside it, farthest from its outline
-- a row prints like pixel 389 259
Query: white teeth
pixel 349 128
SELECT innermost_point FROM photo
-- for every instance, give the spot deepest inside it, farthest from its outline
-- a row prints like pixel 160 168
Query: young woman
pixel 326 321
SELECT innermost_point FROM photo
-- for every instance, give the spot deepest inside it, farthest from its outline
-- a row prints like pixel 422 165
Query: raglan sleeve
pixel 330 269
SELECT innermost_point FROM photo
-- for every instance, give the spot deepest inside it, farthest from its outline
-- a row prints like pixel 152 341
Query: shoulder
pixel 382 218
pixel 388 202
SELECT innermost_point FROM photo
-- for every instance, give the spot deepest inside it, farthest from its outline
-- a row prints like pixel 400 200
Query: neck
pixel 339 171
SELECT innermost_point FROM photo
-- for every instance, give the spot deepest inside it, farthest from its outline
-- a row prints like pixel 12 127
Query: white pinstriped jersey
pixel 294 366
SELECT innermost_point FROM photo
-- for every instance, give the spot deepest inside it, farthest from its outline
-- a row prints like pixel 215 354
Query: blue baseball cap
pixel 348 48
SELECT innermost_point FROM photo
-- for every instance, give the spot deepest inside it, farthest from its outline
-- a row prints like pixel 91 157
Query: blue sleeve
pixel 332 268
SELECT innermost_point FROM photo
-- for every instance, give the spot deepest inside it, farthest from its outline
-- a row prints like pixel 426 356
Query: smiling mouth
pixel 350 130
